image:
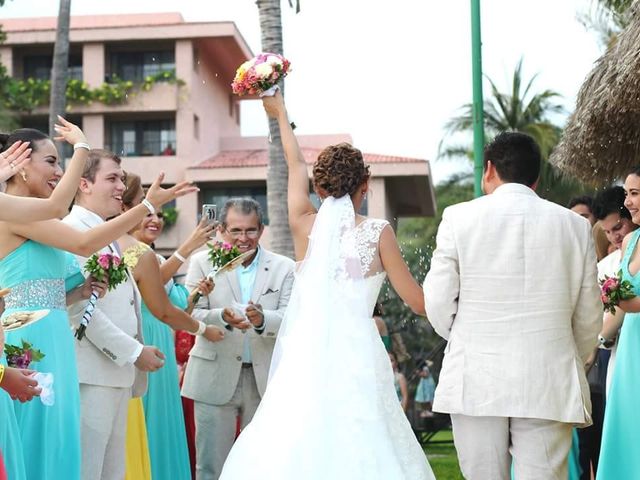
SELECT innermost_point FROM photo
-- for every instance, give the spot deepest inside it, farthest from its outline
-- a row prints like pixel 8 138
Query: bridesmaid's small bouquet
pixel 221 253
pixel 260 75
pixel 21 357
pixel 613 290
pixel 107 268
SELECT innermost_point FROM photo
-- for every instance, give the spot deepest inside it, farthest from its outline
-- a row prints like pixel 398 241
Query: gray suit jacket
pixel 115 331
pixel 213 369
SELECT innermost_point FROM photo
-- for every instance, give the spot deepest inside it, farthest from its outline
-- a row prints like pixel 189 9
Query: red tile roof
pixel 259 158
pixel 92 21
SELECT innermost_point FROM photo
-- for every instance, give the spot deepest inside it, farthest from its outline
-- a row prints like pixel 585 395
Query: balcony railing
pixel 142 149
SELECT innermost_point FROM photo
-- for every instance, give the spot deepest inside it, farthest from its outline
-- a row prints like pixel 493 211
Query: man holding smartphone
pixel 226 380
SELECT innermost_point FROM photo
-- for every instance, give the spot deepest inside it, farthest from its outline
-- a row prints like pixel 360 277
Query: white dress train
pixel 330 411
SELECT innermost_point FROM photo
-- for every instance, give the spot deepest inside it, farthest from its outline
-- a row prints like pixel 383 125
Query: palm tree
pixel 60 69
pixel 520 110
pixel 271 39
pixel 607 18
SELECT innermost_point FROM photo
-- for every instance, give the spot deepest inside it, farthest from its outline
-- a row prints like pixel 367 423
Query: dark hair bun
pixel 4 137
pixel 340 170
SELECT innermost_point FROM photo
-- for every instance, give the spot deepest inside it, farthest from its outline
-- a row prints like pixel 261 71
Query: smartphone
pixel 209 212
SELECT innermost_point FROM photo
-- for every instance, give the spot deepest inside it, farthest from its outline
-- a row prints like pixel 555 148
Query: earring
pixel 23 174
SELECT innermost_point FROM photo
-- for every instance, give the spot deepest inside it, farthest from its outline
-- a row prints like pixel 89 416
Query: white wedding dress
pixel 330 411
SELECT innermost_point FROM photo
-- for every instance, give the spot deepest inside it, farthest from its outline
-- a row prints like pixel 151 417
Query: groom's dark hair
pixel 516 157
pixel 610 201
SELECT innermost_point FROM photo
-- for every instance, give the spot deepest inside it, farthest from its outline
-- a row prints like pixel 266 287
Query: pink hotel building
pixel 189 130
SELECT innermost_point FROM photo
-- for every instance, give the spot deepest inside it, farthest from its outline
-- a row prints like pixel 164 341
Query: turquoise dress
pixel 10 441
pixel 619 451
pixel 162 403
pixel 36 275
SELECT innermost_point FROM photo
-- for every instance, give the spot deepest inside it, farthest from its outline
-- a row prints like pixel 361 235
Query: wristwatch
pixel 605 342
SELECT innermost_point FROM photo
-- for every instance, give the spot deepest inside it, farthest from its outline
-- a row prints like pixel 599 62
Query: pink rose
pixel 610 284
pixel 604 298
pixel 104 260
pixel 227 246
pixel 116 261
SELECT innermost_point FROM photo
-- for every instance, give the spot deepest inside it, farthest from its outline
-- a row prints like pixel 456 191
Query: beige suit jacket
pixel 115 331
pixel 213 369
pixel 512 287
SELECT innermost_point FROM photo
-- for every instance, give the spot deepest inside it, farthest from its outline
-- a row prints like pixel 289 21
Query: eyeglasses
pixel 251 233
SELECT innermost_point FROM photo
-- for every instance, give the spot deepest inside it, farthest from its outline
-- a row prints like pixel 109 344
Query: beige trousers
pixel 487 446
pixel 216 426
pixel 103 419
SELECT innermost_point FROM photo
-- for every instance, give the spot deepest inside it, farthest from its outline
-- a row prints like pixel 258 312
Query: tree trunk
pixel 60 69
pixel 281 240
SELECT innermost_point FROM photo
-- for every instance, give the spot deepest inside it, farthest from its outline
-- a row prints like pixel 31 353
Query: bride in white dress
pixel 330 411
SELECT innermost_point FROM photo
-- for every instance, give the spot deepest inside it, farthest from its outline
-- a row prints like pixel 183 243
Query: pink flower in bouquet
pixel 104 260
pixel 259 74
pixel 610 284
pixel 116 261
pixel 227 246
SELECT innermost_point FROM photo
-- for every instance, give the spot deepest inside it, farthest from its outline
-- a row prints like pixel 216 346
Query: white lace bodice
pixel 367 241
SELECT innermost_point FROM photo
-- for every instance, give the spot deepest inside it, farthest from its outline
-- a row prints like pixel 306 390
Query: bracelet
pixel 150 207
pixel 78 145
pixel 179 257
pixel 1 372
pixel 201 328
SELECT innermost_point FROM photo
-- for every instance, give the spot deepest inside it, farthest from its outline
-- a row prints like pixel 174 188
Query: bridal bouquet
pixel 613 290
pixel 260 75
pixel 107 268
pixel 21 357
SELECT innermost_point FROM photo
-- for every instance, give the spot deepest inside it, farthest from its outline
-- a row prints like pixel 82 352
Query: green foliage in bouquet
pixel 21 357
pixel 107 268
pixel 221 253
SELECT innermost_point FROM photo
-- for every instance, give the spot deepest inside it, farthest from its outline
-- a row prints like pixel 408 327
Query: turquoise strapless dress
pixel 10 441
pixel 162 403
pixel 619 457
pixel 36 275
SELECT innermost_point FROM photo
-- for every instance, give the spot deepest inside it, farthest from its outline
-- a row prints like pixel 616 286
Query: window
pixel 219 195
pixel 135 66
pixel 39 66
pixel 143 137
pixel 315 199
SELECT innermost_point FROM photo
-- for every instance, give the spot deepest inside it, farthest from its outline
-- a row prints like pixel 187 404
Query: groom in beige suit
pixel 513 288
pixel 226 379
pixel 112 360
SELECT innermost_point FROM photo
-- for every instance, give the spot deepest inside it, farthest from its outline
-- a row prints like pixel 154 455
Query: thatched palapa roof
pixel 601 141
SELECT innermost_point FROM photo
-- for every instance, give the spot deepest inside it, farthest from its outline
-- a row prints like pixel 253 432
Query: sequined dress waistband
pixel 41 293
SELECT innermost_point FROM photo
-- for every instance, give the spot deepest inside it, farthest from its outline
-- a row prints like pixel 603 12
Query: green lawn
pixel 443 458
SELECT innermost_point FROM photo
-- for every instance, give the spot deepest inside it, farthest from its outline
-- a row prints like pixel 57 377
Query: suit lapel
pixel 261 276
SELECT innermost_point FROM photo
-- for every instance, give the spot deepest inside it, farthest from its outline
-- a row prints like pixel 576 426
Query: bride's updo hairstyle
pixel 22 135
pixel 340 170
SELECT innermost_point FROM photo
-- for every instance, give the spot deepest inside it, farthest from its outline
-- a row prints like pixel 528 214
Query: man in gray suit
pixel 226 379
pixel 111 358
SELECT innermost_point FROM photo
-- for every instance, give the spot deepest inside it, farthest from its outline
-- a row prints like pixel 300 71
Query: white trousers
pixel 487 446
pixel 103 431
pixel 216 426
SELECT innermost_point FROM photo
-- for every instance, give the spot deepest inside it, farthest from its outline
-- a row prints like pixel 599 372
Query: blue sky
pixel 390 73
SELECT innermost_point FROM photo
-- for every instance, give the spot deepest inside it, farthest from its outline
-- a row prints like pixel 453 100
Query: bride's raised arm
pixel 301 210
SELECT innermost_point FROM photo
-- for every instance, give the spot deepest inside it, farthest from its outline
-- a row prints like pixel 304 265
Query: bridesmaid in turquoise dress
pixel 164 418
pixel 34 268
pixel 619 454
pixel 35 274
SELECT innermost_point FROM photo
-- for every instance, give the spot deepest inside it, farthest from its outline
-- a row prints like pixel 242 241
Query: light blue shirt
pixel 246 280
